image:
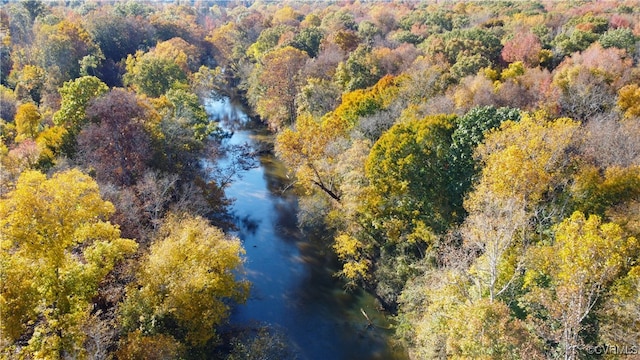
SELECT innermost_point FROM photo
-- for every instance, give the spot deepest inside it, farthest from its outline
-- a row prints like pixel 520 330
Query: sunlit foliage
pixel 186 280
pixel 57 246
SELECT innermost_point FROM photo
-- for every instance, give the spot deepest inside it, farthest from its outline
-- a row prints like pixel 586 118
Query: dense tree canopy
pixel 186 278
pixel 52 266
pixel 474 165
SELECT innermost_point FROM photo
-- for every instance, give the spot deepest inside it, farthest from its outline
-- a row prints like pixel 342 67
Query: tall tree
pixel 153 75
pixel 62 47
pixel 57 246
pixel 28 122
pixel 117 145
pixel 568 277
pixel 187 280
pixel 76 95
pixel 277 84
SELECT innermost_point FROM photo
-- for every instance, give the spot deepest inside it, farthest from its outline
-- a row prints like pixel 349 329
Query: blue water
pixel 293 286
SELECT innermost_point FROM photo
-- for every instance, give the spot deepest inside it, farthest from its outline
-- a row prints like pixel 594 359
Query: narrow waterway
pixel 294 289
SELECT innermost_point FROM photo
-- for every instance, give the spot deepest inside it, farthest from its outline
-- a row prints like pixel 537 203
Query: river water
pixel 293 286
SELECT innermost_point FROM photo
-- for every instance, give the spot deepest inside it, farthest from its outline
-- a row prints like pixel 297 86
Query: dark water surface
pixel 292 275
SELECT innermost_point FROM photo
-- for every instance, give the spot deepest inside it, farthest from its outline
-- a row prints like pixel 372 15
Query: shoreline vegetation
pixel 475 165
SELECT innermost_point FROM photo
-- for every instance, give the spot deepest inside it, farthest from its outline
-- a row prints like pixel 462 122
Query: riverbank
pixel 294 288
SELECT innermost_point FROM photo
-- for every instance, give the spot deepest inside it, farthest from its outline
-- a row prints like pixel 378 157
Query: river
pixel 293 284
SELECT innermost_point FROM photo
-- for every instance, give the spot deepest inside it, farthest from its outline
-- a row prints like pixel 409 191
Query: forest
pixel 475 165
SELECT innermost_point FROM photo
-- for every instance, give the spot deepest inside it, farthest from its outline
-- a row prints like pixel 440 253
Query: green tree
pixel 76 95
pixel 57 247
pixel 318 97
pixel 308 40
pixel 407 170
pixel 268 40
pixel 576 40
pixel 152 75
pixel 187 280
pixel 404 205
pixel 622 38
pixel 469 133
pixel 474 43
pixel 358 71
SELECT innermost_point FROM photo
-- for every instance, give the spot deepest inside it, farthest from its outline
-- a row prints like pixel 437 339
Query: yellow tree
pixel 187 279
pixel 312 147
pixel 523 163
pixel 56 248
pixel 446 320
pixel 310 151
pixel 28 122
pixel 629 100
pixel 567 278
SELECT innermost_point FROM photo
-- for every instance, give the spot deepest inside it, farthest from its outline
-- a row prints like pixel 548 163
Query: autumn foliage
pixel 474 165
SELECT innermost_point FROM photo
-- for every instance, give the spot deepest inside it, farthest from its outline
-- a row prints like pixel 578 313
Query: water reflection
pixel 292 274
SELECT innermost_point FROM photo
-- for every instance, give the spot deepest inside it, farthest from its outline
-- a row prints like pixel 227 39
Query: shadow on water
pixel 294 288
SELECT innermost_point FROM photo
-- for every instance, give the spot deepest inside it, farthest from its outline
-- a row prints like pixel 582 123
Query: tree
pixel 568 277
pixel 57 246
pixel 629 100
pixel 187 56
pixel 485 329
pixel 469 133
pixel 118 35
pixel 35 8
pixel 152 75
pixel 576 40
pixel 588 81
pixel 307 151
pixel 187 280
pixel 230 43
pixel 443 318
pixel 620 311
pixel 268 40
pixel 318 97
pixel 180 134
pixel 523 47
pixel 117 145
pixel 359 71
pixel 523 160
pixel 28 122
pixel 153 347
pixel 622 38
pixel 407 168
pixel 523 164
pixel 474 43
pixel 277 84
pixel 63 46
pixel 405 204
pixel 308 40
pixel 29 83
pixel 347 40
pixel 76 95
